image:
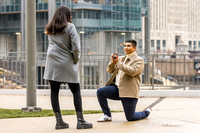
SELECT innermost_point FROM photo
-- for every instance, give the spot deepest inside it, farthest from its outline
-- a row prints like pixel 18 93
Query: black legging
pixel 75 89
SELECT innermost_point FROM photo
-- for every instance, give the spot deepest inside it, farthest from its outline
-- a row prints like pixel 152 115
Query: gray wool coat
pixel 62 56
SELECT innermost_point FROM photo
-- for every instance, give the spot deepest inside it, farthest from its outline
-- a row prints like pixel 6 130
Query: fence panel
pixel 177 71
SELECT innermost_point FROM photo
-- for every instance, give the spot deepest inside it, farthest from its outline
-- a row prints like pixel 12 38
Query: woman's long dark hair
pixel 59 21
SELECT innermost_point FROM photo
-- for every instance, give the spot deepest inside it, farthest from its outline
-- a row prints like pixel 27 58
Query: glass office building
pixel 103 25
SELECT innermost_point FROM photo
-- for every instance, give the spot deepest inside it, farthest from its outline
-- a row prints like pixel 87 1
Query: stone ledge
pixel 92 92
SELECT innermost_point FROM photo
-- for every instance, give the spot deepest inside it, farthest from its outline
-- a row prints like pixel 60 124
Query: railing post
pixel 147 44
pixel 4 78
pixel 184 73
pixel 152 72
pixel 80 71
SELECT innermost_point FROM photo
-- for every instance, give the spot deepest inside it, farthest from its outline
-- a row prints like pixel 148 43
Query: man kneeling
pixel 124 84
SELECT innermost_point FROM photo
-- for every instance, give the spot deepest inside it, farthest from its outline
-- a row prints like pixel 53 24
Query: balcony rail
pixel 167 71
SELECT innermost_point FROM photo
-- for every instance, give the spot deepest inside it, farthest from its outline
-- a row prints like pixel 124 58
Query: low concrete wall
pixel 143 93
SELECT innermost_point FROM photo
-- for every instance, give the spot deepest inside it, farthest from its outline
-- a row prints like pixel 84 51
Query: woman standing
pixel 62 64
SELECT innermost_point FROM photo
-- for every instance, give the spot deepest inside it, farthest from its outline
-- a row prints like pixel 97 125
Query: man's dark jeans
pixel 129 104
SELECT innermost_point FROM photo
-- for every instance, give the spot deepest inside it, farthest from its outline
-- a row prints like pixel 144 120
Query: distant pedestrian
pixel 62 64
pixel 124 84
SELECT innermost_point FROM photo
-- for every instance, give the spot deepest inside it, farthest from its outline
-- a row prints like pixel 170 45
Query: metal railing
pixel 167 71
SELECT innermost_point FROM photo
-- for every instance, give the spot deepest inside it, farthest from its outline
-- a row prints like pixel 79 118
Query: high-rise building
pixel 12 24
pixel 173 22
pixel 103 25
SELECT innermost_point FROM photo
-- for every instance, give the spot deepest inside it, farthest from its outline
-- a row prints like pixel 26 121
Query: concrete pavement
pixel 154 124
pixel 172 115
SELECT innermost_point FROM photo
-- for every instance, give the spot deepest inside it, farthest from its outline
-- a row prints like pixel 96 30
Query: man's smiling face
pixel 128 48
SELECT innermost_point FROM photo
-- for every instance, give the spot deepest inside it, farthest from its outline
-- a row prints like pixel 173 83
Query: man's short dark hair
pixel 133 42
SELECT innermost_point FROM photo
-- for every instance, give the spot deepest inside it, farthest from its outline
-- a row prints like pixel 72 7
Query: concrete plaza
pixel 171 115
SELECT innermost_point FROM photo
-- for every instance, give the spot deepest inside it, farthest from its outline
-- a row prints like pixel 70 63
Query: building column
pixel 23 43
pixel 18 44
pixel 51 8
pixel 102 72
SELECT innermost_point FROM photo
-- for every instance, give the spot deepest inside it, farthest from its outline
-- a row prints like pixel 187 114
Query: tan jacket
pixel 129 83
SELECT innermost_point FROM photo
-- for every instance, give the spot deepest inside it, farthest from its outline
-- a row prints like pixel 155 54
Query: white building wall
pixel 171 18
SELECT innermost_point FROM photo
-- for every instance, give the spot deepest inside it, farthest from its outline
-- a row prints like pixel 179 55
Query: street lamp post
pixel 30 24
pixel 145 12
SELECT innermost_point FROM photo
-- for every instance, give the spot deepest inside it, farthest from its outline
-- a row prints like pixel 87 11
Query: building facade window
pixel 41 4
pixel 199 46
pixel 164 45
pixel 190 45
pixel 152 45
pixel 10 5
pixel 194 46
pixel 158 45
